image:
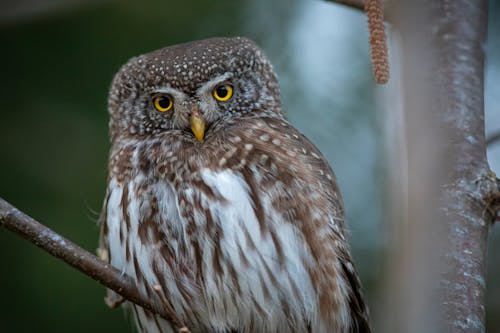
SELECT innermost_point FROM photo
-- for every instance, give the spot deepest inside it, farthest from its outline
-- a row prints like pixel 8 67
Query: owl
pixel 216 205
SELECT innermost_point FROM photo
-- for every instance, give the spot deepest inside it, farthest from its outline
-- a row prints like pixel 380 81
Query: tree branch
pixel 358 4
pixel 58 246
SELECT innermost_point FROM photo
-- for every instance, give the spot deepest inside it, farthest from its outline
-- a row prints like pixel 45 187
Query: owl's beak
pixel 197 126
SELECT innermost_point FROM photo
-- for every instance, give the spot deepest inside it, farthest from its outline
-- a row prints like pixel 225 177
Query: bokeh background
pixel 57 60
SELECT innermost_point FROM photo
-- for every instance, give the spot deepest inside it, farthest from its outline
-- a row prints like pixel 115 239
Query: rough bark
pixel 460 32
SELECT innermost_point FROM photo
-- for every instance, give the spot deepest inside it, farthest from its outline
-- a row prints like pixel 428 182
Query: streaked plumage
pixel 240 232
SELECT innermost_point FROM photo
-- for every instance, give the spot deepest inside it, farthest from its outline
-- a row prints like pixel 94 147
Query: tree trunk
pixel 438 282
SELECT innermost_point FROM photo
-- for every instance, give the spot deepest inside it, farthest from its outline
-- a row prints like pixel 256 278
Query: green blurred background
pixel 57 60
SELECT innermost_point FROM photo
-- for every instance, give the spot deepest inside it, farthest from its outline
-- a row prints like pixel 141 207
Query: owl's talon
pixel 102 253
pixel 113 300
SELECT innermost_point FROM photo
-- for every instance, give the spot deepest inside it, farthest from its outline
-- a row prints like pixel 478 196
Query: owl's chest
pixel 210 245
pixel 142 220
pixel 176 224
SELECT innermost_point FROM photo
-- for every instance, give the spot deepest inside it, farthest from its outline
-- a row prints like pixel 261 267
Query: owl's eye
pixel 223 92
pixel 163 103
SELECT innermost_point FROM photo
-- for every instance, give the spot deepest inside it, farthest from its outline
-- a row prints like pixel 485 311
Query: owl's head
pixel 193 89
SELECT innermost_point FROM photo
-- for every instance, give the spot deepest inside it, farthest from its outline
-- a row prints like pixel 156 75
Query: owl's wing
pixel 279 184
pixel 358 310
pixel 357 307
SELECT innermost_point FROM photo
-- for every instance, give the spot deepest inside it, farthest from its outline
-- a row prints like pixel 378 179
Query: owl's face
pixel 193 89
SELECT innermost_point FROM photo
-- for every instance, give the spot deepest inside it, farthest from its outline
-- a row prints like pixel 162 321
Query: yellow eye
pixel 163 103
pixel 223 92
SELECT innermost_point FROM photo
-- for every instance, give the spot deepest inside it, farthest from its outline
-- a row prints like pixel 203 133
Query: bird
pixel 216 206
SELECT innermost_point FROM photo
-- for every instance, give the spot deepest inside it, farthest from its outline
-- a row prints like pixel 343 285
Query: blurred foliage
pixel 56 67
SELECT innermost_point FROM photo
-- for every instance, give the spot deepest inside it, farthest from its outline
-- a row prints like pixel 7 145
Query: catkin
pixel 378 40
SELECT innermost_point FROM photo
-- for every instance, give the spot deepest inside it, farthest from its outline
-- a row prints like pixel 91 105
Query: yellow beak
pixel 198 126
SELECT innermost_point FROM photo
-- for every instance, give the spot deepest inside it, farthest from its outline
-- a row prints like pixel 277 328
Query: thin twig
pixel 493 138
pixel 378 40
pixel 358 4
pixel 58 246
